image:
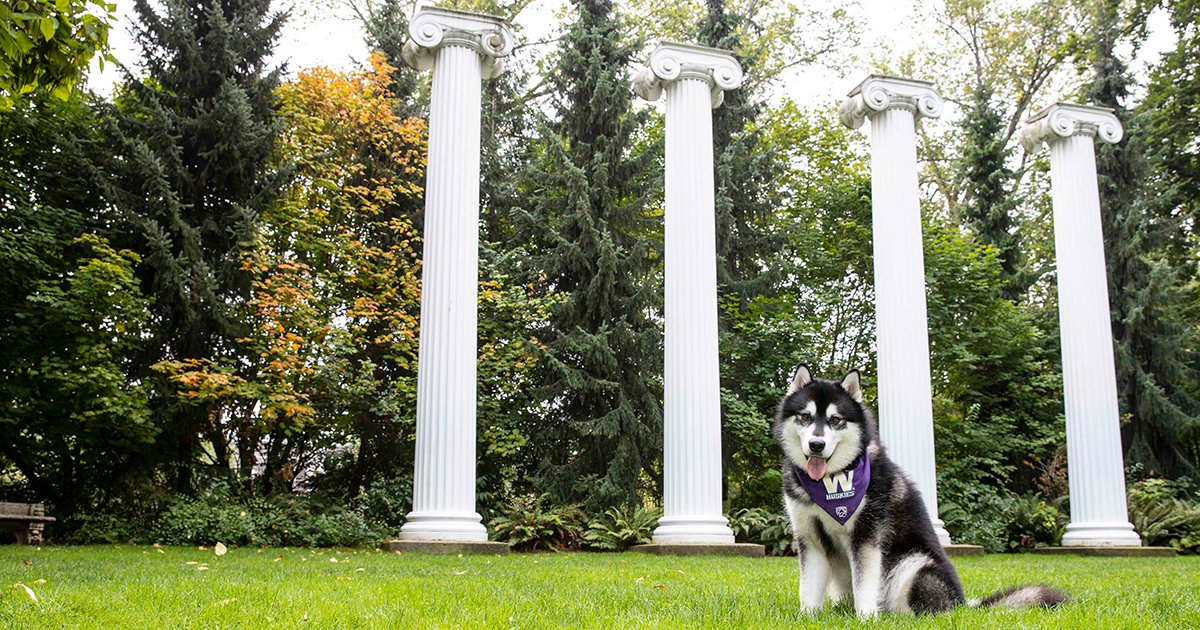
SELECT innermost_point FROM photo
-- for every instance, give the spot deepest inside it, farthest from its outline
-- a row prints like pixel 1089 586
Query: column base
pixel 1108 552
pixel 709 530
pixel 447 526
pixel 939 529
pixel 963 550
pixel 1101 535
pixel 445 546
pixel 746 550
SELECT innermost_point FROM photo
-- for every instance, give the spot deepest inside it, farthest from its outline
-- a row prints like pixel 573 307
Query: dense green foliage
pixel 73 417
pixel 1146 284
pixel 986 208
pixel 209 318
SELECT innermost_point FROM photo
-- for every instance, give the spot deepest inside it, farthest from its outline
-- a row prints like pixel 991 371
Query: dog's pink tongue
pixel 816 468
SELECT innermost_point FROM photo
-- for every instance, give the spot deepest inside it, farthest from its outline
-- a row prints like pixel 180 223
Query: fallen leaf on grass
pixel 660 586
pixel 460 573
pixel 219 549
pixel 359 570
pixel 39 581
pixel 639 580
pixel 27 563
pixel 680 572
pixel 333 560
pixel 28 591
pixel 189 562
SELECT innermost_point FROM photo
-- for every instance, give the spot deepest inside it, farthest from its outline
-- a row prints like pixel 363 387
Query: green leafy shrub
pixel 220 516
pixel 978 515
pixel 1164 514
pixel 384 504
pixel 102 528
pixel 772 530
pixel 1035 522
pixel 529 524
pixel 620 528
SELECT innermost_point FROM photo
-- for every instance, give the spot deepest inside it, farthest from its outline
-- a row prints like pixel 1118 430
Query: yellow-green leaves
pixel 48 44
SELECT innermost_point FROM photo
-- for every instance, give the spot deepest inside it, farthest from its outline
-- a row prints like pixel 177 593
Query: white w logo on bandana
pixel 840 482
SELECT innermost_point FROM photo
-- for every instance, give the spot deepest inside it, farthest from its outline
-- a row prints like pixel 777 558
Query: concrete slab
pixel 445 546
pixel 963 550
pixel 1125 552
pixel 701 549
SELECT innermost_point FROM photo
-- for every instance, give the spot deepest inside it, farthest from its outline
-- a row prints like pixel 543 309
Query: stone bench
pixel 26 520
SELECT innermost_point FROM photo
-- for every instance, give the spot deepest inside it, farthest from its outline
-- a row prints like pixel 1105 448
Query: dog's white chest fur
pixel 833 567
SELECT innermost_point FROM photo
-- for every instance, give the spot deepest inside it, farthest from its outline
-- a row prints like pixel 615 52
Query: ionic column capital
pixel 878 93
pixel 1063 120
pixel 434 27
pixel 673 62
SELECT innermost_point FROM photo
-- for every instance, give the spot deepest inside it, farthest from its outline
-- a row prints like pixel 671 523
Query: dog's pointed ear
pixel 801 378
pixel 853 385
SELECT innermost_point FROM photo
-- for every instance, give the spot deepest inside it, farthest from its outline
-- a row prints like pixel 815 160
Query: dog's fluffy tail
pixel 1020 597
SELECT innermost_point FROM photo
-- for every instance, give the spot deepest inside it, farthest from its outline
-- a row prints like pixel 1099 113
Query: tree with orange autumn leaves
pixel 331 359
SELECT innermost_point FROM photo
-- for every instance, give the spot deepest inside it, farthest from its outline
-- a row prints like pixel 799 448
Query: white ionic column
pixel 1095 466
pixel 695 79
pixel 901 321
pixel 462 49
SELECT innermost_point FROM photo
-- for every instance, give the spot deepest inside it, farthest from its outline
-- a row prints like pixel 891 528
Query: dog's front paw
pixel 867 612
pixel 810 609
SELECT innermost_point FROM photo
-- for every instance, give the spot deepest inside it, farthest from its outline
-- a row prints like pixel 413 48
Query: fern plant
pixel 773 530
pixel 620 528
pixel 1163 518
pixel 529 523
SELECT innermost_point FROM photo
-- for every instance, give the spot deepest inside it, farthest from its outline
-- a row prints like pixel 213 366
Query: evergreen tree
pixel 602 422
pixel 747 197
pixel 386 26
pixel 745 169
pixel 1144 286
pixel 194 138
pixel 987 207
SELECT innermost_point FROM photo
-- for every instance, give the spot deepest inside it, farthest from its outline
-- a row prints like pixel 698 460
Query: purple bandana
pixel 841 493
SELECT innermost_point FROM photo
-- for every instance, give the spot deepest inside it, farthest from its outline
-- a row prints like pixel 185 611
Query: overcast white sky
pixel 319 35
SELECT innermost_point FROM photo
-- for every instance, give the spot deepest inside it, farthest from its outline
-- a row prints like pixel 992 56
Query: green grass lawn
pixel 143 587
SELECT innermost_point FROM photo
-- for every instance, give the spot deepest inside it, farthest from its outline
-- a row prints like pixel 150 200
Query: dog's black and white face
pixel 822 425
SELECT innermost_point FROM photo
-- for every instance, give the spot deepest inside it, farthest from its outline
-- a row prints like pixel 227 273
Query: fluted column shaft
pixel 901 319
pixel 691 381
pixel 1095 470
pixel 444 473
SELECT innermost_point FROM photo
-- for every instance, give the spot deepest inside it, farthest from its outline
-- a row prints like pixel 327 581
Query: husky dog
pixel 860 524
